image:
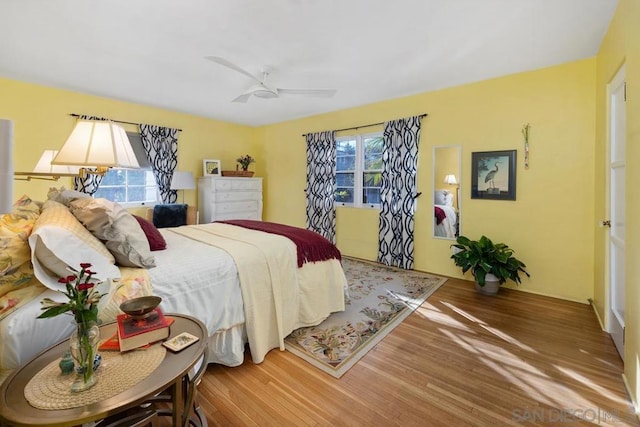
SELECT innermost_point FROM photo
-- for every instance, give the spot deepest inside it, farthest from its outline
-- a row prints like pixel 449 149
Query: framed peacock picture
pixel 493 175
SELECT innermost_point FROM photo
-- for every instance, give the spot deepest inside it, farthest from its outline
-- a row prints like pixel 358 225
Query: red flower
pixel 83 297
pixel 85 286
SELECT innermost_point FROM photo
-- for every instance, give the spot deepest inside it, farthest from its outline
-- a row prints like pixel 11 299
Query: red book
pixel 134 333
pixel 113 343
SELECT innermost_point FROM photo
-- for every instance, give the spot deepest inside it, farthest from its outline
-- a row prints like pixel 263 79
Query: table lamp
pixel 182 181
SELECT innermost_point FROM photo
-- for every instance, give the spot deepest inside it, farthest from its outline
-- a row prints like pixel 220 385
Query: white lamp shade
pixel 6 166
pixel 99 144
pixel 44 165
pixel 450 179
pixel 182 181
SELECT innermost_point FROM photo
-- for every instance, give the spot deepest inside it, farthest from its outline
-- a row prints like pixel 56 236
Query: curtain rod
pixel 117 121
pixel 363 126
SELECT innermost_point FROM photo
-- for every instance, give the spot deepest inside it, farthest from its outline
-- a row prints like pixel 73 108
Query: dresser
pixel 222 198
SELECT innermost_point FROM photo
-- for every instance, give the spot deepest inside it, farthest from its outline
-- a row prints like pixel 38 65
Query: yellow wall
pixel 550 225
pixel 41 121
pixel 621 45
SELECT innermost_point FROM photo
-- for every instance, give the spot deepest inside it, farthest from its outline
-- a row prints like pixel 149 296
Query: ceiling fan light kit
pixel 262 90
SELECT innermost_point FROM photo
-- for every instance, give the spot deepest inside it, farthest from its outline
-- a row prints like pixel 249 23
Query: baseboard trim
pixel 542 294
pixel 597 315
pixel 636 408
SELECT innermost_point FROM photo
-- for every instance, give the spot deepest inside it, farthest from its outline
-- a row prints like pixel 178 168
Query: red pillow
pixel 156 241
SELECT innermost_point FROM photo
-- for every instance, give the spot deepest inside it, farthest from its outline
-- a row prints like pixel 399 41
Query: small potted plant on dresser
pixel 491 264
pixel 243 169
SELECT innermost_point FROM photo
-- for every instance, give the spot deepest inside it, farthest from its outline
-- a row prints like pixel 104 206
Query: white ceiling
pixel 152 51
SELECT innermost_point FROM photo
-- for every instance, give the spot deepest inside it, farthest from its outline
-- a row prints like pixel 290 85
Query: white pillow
pixel 443 197
pixel 58 241
pixel 121 232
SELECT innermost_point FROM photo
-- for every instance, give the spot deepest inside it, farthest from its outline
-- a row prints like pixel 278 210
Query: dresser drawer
pixel 246 205
pixel 237 184
pixel 237 196
pixel 222 198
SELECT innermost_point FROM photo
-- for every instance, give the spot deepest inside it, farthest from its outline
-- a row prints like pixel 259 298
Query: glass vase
pixel 84 345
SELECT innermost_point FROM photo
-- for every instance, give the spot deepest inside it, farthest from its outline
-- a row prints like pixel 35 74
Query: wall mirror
pixel 446 191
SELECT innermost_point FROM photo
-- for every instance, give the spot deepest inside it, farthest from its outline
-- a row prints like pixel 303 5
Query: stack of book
pixel 134 332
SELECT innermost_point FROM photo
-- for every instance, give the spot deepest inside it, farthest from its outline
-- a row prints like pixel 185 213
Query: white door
pixel 617 142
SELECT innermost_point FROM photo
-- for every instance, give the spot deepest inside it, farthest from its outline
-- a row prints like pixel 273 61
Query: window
pixel 131 186
pixel 359 170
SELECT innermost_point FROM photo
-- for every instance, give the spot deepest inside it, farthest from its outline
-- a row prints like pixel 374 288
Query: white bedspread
pixel 447 228
pixel 267 267
pixel 201 280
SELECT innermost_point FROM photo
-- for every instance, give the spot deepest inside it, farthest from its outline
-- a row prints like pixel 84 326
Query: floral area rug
pixel 380 297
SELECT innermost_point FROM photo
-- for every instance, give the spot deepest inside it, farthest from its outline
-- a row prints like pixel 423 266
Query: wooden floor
pixel 460 359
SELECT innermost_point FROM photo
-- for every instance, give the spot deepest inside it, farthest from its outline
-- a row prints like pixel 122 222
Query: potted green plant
pixel 245 161
pixel 491 264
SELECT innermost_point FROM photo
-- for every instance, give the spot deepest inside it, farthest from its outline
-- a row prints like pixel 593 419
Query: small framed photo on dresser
pixel 211 167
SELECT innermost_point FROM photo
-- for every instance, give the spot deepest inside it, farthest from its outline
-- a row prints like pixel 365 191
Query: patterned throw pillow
pixel 15 266
pixel 113 224
pixel 64 196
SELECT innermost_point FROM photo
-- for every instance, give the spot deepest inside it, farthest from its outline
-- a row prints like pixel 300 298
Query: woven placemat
pixel 49 389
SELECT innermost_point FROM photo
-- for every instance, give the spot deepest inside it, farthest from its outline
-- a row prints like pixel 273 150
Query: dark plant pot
pixel 491 285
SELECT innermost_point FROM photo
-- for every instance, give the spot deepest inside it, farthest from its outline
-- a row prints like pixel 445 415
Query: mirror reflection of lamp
pixel 451 180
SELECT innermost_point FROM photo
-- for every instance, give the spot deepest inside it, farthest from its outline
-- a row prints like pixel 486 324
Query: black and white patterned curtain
pixel 161 148
pixel 89 183
pixel 321 184
pixel 398 192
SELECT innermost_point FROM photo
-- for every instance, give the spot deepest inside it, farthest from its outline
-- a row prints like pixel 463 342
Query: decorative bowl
pixel 141 307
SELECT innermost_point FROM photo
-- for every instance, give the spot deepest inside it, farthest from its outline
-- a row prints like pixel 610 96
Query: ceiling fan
pixel 263 90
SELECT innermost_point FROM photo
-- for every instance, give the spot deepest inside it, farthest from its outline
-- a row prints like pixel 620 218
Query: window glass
pixel 345 170
pixel 359 170
pixel 130 186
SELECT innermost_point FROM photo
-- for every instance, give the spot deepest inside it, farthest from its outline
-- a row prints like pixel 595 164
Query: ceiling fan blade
pixel 243 98
pixel 226 63
pixel 317 93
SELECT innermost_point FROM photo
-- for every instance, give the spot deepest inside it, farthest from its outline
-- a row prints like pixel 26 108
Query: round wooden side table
pixel 171 375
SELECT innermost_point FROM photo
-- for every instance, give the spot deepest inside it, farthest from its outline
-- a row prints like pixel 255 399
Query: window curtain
pixel 321 184
pixel 398 192
pixel 90 183
pixel 161 148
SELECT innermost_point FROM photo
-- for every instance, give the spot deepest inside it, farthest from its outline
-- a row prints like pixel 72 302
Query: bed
pixel 247 286
pixel 444 215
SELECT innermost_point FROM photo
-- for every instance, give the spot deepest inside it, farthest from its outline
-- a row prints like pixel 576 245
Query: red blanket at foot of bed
pixel 440 215
pixel 311 246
